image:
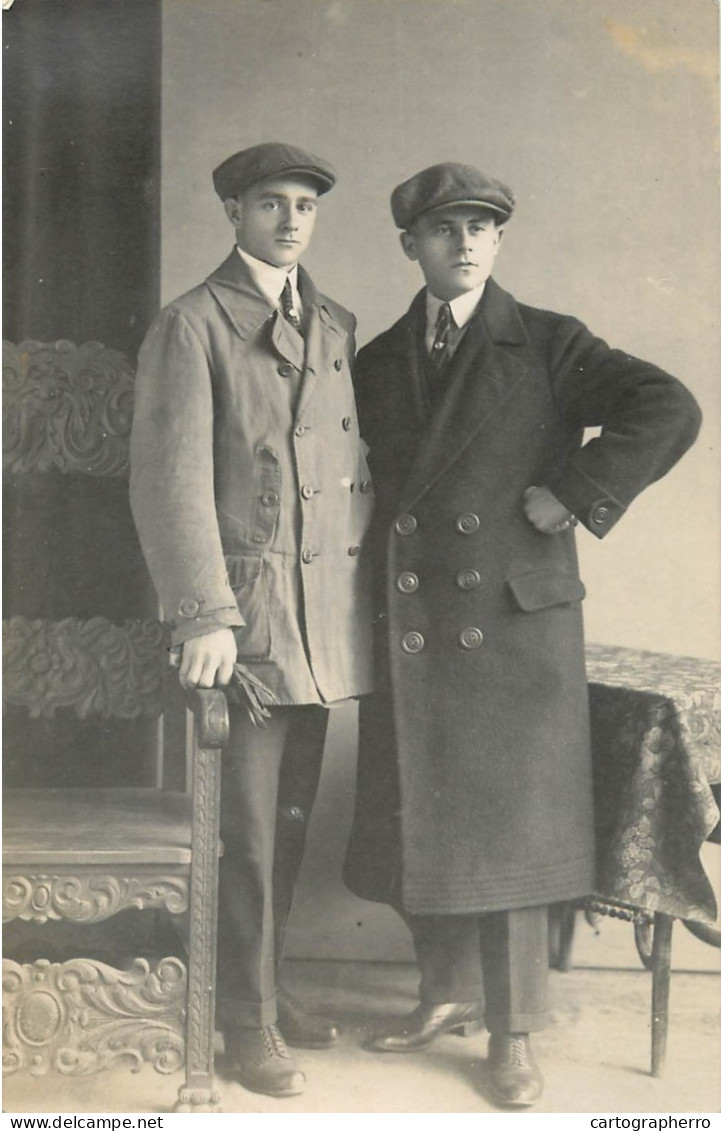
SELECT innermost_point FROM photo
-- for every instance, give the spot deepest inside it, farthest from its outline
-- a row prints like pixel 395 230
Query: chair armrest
pixel 210 708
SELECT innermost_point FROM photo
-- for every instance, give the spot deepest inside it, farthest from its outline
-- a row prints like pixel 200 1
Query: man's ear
pixel 409 245
pixel 233 210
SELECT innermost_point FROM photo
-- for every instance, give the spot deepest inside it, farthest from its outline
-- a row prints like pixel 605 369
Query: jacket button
pixel 468 523
pixel 188 607
pixel 599 515
pixel 366 486
pixel 412 642
pixel 353 551
pixel 307 491
pixel 468 579
pixel 407 582
pixel 470 638
pixel 406 524
pixel 270 499
pixel 346 423
pixel 286 369
pixel 338 364
pixel 300 430
pixel 307 556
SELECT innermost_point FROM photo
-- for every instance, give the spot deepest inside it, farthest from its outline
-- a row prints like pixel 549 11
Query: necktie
pixel 286 304
pixel 439 349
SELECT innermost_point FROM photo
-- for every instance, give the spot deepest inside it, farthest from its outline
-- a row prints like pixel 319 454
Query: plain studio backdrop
pixel 602 117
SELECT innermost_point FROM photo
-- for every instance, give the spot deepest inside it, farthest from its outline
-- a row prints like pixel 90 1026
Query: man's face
pixel 274 219
pixel 456 247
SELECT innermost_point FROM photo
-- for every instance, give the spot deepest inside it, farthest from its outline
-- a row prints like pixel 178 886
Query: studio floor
pixel 595 1055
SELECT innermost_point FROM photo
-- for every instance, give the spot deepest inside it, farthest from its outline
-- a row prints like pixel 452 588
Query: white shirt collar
pixel 462 307
pixel 270 280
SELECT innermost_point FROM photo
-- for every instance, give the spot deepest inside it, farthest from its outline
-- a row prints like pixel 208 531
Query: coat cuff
pixel 595 507
pixel 204 623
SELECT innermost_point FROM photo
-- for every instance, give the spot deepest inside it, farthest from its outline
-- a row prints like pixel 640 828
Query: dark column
pixel 81 262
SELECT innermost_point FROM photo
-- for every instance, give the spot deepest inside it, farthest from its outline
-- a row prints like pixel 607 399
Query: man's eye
pixel 270 205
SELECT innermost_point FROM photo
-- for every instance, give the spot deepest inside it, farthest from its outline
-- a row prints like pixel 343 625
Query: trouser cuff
pixel 516 1022
pixel 234 1014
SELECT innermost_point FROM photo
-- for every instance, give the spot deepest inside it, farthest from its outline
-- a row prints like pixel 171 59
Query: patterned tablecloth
pixel 656 732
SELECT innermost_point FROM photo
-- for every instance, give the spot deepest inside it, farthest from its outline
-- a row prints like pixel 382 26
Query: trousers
pixel 499 959
pixel 269 783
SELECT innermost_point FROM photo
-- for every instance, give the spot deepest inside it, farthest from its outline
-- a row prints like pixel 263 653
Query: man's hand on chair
pixel 207 661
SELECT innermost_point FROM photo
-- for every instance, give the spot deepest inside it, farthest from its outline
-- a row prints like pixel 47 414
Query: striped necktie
pixel 289 311
pixel 439 349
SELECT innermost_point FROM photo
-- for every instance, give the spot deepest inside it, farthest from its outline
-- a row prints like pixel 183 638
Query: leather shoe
pixel 259 1060
pixel 516 1079
pixel 305 1030
pixel 427 1022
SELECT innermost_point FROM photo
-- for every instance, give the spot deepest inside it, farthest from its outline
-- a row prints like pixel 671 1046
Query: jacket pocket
pixel 266 494
pixel 543 588
pixel 250 588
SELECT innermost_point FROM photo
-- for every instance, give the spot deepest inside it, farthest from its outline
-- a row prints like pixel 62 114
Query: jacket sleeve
pixel 171 480
pixel 648 419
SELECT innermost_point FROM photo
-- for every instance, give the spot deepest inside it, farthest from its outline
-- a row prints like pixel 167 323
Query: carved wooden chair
pixel 84 854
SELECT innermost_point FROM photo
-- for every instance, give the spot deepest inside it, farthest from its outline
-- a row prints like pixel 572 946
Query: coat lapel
pixel 324 338
pixel 484 373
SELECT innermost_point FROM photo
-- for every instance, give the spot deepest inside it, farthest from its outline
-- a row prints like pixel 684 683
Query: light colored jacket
pixel 249 484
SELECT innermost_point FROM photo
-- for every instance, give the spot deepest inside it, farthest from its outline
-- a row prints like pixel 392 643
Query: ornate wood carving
pixel 203 916
pixel 66 407
pixel 81 1016
pixel 89 898
pixel 90 666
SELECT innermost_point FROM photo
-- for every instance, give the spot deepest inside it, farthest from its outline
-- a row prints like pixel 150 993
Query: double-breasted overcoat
pixel 474 785
pixel 249 483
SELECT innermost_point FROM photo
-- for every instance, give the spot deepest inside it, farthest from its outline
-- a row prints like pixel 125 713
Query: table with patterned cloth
pixel 656 734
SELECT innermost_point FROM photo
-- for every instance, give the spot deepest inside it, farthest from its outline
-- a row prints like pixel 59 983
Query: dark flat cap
pixel 271 159
pixel 449 183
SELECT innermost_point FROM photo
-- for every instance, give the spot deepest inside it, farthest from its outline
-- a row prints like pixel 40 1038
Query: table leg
pixel 661 982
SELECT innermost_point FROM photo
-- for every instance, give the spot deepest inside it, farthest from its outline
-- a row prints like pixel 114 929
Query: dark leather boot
pixel 258 1059
pixel 425 1024
pixel 516 1079
pixel 305 1030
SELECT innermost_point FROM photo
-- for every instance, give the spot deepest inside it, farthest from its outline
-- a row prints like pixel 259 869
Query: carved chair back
pixel 83 854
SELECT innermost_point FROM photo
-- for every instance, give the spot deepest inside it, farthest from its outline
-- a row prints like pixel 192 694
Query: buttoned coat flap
pixel 543 588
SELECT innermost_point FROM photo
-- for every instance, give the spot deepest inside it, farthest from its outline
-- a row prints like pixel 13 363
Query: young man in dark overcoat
pixel 252 496
pixel 474 806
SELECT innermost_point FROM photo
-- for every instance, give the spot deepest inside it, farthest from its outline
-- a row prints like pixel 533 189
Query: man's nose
pixel 290 220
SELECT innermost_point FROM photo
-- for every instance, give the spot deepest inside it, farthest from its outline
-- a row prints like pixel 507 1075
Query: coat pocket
pixel 266 492
pixel 250 587
pixel 543 588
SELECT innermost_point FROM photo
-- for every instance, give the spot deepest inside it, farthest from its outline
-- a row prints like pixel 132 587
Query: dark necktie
pixel 286 304
pixel 439 349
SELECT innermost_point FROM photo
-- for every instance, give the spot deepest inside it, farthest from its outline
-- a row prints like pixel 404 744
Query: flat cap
pixel 449 183
pixel 271 159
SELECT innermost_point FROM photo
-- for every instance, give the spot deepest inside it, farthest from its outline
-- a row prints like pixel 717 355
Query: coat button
pixel 270 499
pixel 366 486
pixel 188 607
pixel 307 556
pixel 300 430
pixel 346 423
pixel 353 551
pixel 407 582
pixel 468 523
pixel 338 364
pixel 406 524
pixel 307 491
pixel 285 369
pixel 470 638
pixel 599 515
pixel 468 579
pixel 412 642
